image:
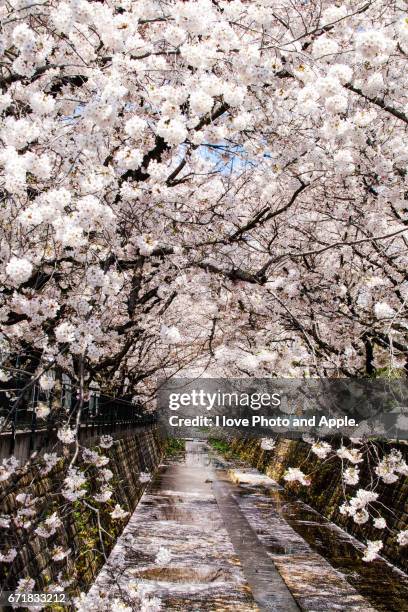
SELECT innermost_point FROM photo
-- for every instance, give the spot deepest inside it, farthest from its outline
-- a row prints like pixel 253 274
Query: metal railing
pixel 18 414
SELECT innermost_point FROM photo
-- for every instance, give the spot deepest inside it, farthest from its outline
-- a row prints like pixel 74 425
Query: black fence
pixel 19 414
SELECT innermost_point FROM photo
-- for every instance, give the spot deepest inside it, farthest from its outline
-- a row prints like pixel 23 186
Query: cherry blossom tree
pixel 201 184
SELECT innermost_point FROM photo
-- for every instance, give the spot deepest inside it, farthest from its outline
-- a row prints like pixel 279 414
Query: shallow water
pixel 179 513
pixel 227 542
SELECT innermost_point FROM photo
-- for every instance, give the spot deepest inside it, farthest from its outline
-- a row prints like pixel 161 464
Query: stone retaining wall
pixel 325 492
pixel 140 451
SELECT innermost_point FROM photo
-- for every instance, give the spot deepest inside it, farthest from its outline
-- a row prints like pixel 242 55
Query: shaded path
pixel 241 547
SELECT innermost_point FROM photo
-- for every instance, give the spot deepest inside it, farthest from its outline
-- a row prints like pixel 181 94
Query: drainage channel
pixel 320 563
pixel 179 513
pixel 319 560
pixel 267 586
pixel 236 548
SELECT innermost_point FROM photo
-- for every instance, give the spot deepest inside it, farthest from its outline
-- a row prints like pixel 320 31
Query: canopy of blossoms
pixel 202 184
pixel 190 178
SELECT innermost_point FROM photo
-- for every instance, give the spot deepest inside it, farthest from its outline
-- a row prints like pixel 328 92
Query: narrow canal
pixel 200 542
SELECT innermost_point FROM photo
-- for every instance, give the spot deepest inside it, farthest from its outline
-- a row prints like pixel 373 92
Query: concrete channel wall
pixel 131 453
pixel 25 442
pixel 326 493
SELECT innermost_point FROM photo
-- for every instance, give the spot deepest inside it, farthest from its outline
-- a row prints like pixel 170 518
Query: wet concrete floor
pixel 238 547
